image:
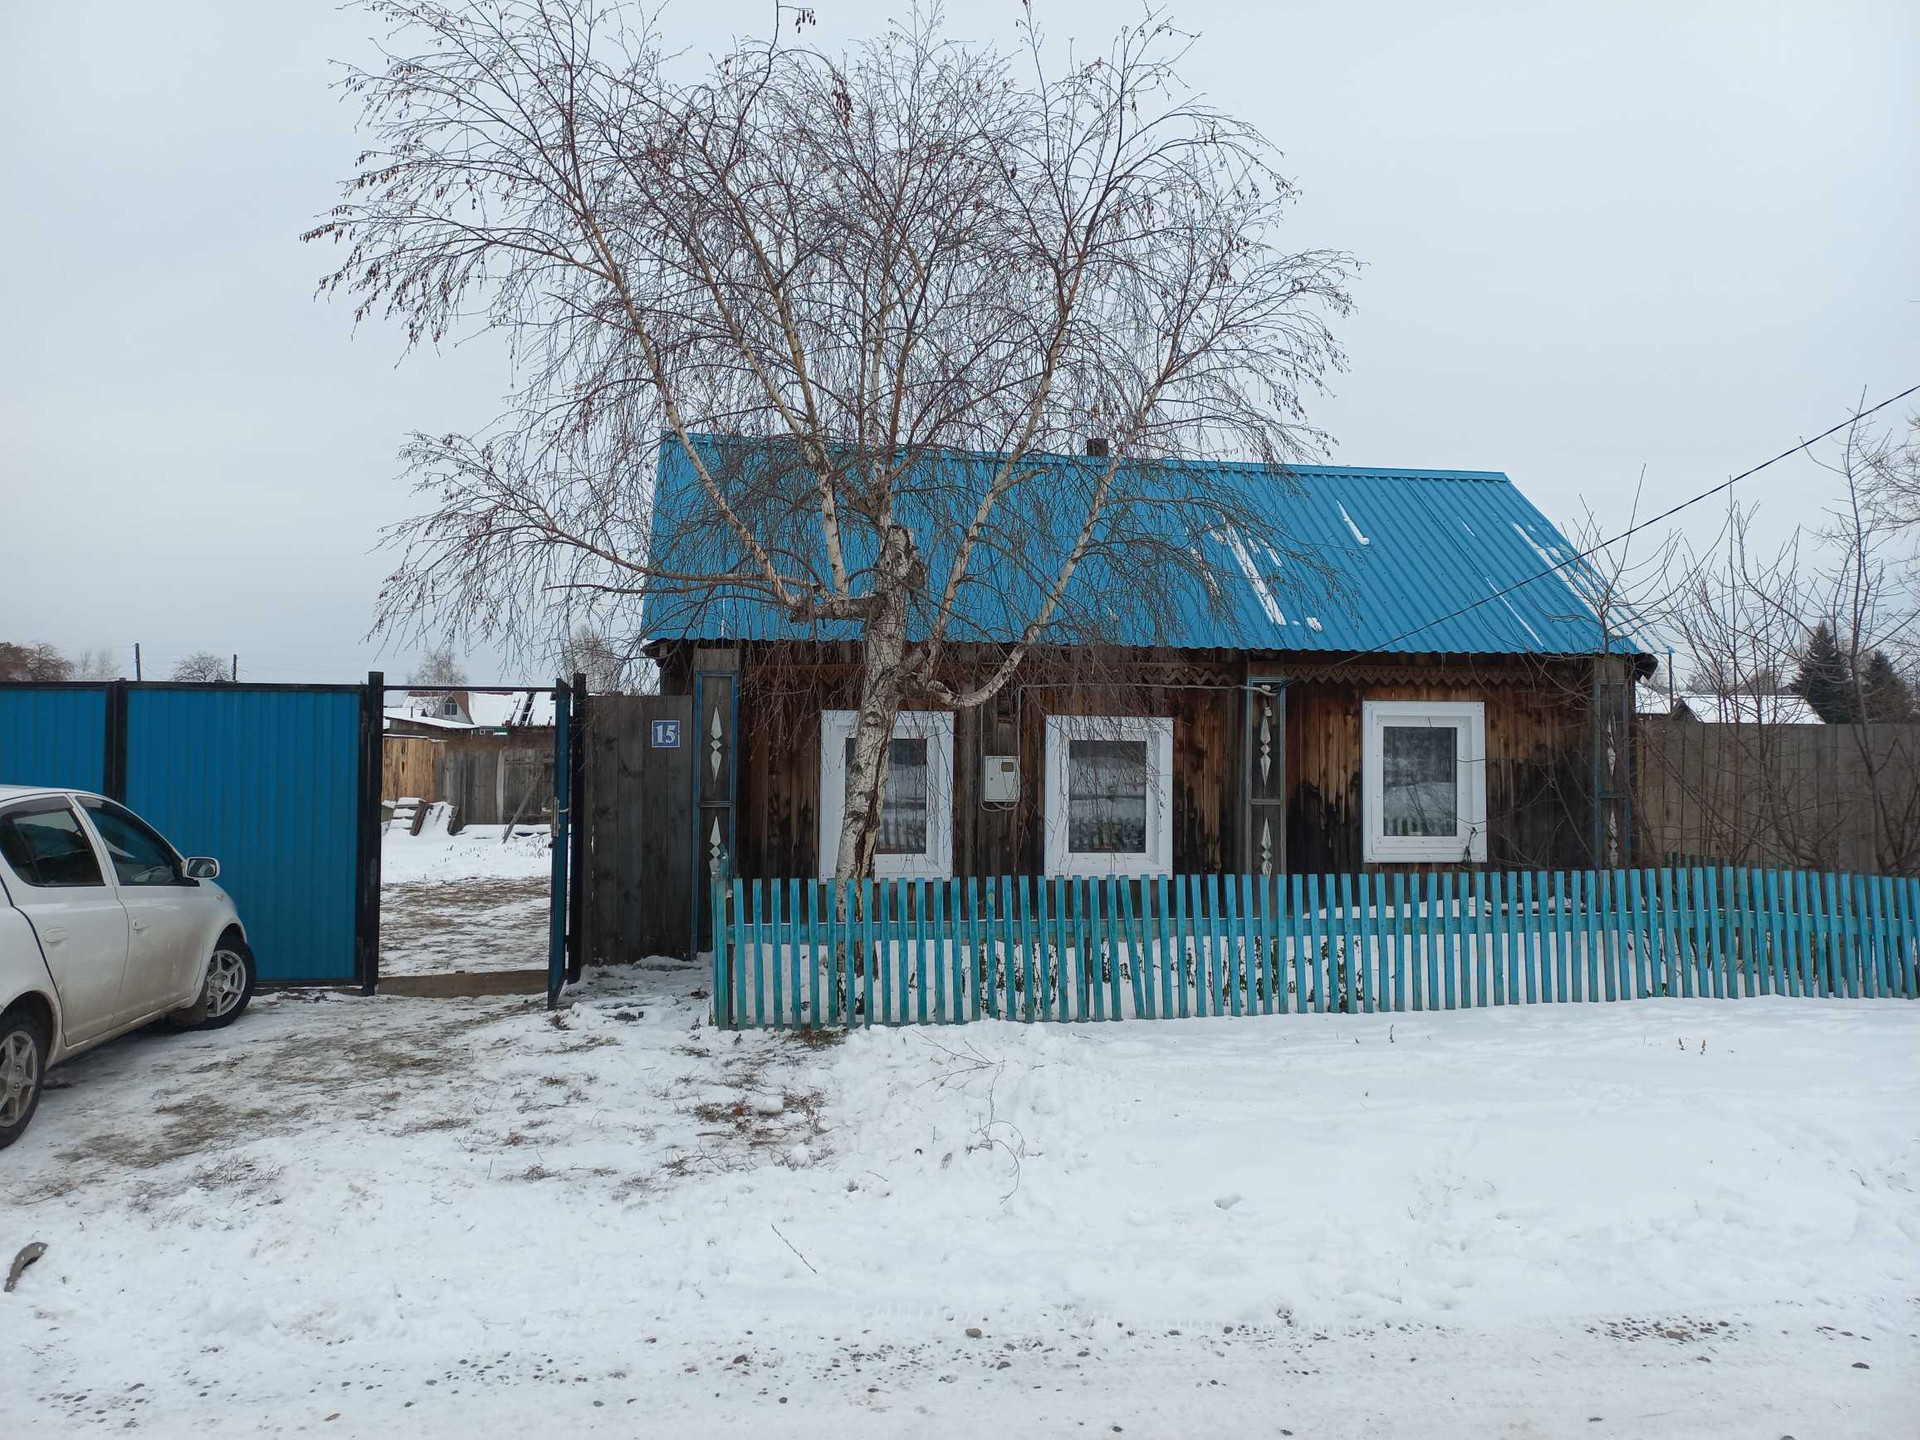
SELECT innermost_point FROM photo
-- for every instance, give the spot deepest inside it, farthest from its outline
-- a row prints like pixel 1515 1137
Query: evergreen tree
pixel 1823 679
pixel 1888 698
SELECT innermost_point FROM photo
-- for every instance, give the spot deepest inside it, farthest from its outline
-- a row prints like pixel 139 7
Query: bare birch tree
pixel 437 666
pixel 864 266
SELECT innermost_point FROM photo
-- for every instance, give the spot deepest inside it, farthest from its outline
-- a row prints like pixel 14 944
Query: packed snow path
pixel 381 1217
pixel 463 902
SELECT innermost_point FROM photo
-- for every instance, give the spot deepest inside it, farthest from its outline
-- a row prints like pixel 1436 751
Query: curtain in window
pixel 1420 783
pixel 903 809
pixel 1107 797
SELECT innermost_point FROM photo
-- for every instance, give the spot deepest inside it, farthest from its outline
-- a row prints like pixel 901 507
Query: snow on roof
pixel 1727 709
pixel 481 710
pixel 1403 561
pixel 417 717
pixel 520 707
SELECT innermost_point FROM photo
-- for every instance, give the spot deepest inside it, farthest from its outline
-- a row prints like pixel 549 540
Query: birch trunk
pixel 883 682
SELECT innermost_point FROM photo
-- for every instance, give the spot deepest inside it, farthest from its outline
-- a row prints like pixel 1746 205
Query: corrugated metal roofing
pixel 1408 561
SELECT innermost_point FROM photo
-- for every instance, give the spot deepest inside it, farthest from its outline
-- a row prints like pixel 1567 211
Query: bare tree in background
pixel 202 667
pixel 1844 592
pixel 95 663
pixel 1889 464
pixel 33 662
pixel 606 665
pixel 862 266
pixel 438 667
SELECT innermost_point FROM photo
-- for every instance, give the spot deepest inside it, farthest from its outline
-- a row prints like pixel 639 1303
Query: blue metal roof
pixel 1397 561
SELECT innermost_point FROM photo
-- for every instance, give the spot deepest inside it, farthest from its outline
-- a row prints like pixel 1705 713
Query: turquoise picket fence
pixel 806 953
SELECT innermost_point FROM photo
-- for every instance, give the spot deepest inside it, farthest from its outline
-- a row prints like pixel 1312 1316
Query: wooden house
pixel 487 753
pixel 1439 691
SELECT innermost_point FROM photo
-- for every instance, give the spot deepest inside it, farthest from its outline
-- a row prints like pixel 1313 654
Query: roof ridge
pixel 1379 472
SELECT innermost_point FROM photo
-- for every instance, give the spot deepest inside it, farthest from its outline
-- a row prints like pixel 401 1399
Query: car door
pixel 167 914
pixel 78 917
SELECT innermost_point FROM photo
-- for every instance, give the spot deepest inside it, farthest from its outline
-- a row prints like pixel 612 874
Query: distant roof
pixel 1728 709
pixel 483 710
pixel 518 707
pixel 412 717
pixel 1421 561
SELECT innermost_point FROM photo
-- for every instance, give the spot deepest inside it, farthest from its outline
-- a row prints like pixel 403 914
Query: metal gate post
pixel 563 800
pixel 577 858
pixel 366 896
pixel 113 768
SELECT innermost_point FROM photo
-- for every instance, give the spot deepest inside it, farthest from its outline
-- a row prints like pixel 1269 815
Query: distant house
pixel 487 753
pixel 441 712
pixel 1426 700
pixel 1712 709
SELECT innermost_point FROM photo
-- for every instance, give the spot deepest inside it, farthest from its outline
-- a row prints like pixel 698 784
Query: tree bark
pixel 884 677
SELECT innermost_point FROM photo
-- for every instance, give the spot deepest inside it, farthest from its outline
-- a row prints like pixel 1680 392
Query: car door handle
pixel 53 937
pixel 139 924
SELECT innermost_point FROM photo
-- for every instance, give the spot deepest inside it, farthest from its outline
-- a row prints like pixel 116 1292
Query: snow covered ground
pixel 382 1217
pixel 463 902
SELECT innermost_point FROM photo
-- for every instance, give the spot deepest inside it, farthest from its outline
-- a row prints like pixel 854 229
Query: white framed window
pixel 1424 779
pixel 1109 788
pixel 916 812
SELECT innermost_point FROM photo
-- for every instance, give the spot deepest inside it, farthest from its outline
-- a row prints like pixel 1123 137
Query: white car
pixel 104 927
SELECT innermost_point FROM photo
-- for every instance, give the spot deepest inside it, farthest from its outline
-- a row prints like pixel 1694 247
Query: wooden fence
pixel 815 953
pixel 406 768
pixel 1823 797
pixel 495 784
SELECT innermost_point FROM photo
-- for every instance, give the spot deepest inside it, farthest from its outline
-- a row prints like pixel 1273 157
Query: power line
pixel 1630 531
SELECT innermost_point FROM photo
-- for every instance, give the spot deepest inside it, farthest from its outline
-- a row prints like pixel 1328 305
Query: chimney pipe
pixel 1097 446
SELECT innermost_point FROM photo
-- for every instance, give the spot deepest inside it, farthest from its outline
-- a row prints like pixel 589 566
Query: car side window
pixel 140 856
pixel 47 848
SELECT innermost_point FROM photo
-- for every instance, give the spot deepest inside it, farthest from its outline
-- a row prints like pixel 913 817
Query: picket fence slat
pixel 807 953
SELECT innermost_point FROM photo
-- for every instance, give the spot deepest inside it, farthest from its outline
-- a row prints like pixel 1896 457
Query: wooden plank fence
pixel 807 953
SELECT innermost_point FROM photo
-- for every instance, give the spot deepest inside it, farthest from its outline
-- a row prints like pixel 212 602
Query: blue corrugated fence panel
pixel 54 736
pixel 266 782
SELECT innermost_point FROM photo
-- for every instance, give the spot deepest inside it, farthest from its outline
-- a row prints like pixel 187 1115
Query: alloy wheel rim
pixel 226 982
pixel 19 1071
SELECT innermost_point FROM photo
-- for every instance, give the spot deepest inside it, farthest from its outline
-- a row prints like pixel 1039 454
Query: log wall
pixel 1536 733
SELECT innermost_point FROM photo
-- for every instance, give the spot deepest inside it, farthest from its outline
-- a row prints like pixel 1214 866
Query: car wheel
pixel 23 1065
pixel 228 988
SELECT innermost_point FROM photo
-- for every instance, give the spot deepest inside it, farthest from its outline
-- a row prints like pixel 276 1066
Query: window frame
pixel 1157 732
pixel 933 726
pixel 1468 720
pixel 50 805
pixel 92 806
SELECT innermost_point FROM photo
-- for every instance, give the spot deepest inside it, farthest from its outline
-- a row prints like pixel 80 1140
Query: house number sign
pixel 666 734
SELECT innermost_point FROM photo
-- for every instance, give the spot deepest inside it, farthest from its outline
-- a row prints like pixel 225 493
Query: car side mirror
pixel 203 867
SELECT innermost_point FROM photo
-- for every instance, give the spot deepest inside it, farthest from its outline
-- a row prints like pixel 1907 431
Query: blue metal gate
pixel 280 783
pixel 54 735
pixel 270 782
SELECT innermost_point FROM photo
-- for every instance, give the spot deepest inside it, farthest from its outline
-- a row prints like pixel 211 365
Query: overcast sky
pixel 1596 238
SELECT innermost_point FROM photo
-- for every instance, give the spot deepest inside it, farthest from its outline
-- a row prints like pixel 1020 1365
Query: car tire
pixel 23 1069
pixel 225 992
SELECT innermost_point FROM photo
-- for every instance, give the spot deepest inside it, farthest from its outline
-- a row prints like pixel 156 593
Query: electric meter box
pixel 1000 780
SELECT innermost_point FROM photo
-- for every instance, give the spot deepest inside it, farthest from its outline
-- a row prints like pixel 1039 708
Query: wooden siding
pixel 1536 771
pixel 1535 733
pixel 406 768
